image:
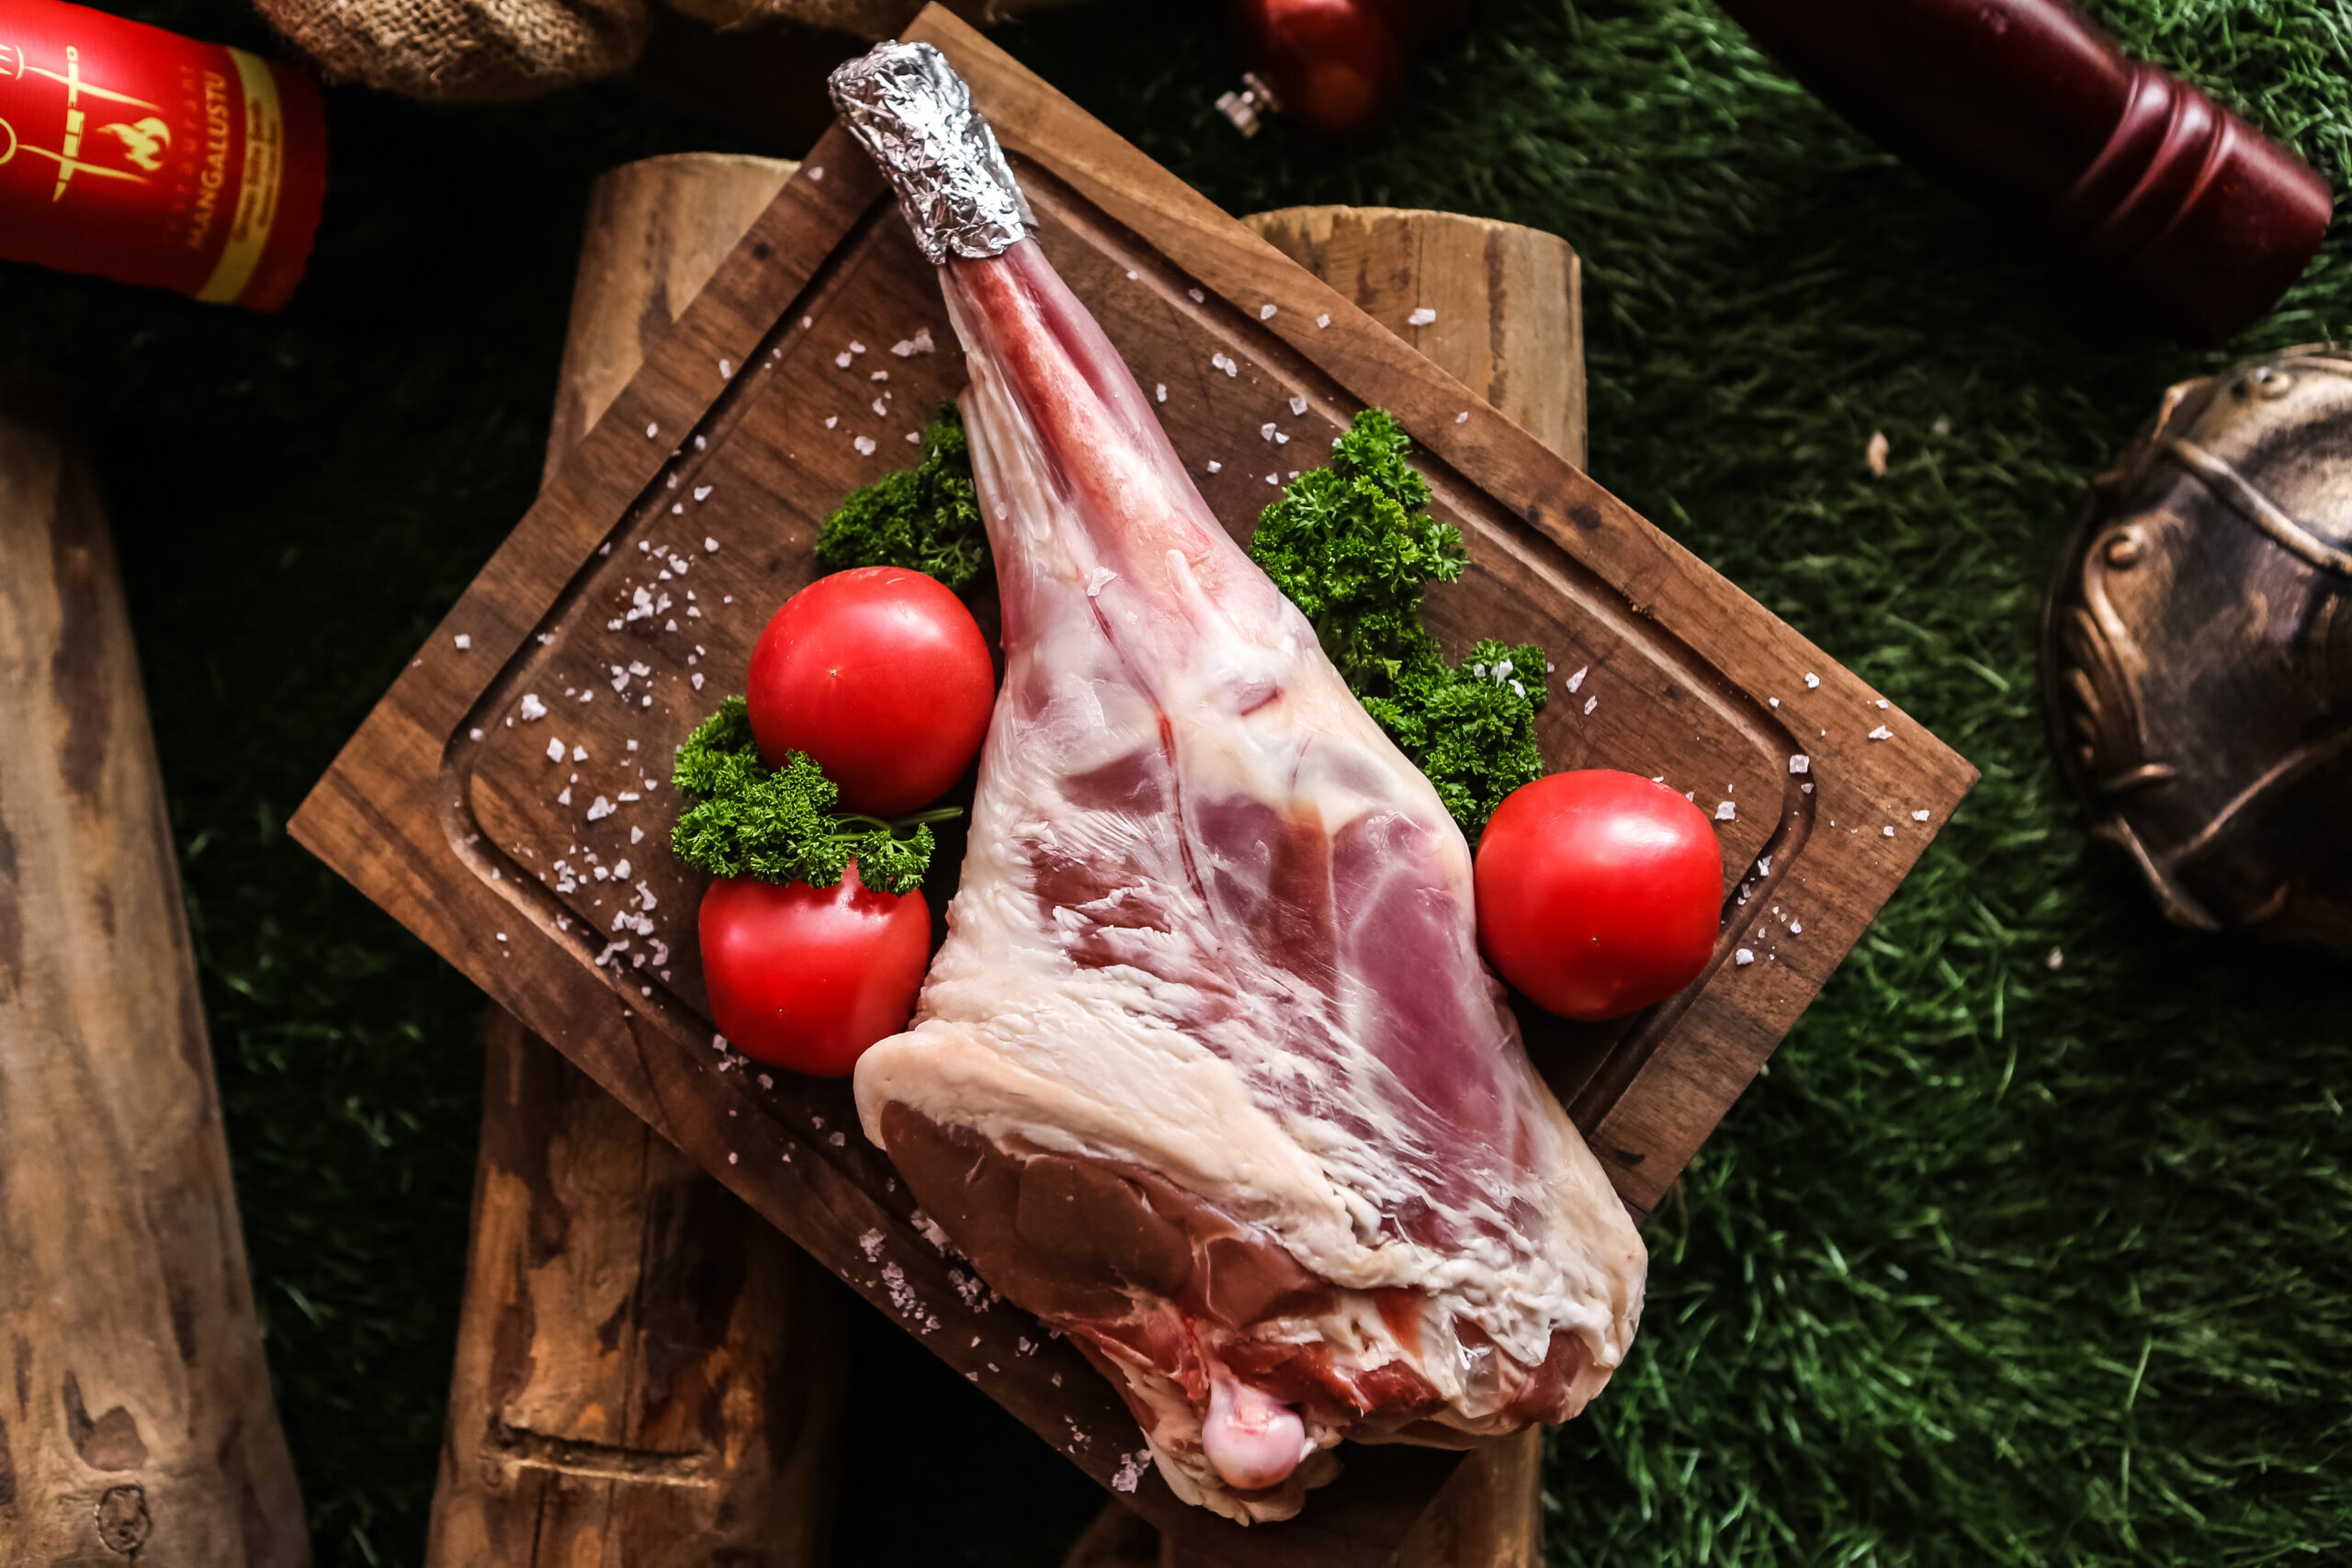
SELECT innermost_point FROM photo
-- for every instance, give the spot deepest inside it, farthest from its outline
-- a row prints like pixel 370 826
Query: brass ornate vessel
pixel 2197 652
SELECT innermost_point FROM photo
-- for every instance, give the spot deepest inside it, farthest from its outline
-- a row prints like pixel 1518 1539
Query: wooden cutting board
pixel 492 798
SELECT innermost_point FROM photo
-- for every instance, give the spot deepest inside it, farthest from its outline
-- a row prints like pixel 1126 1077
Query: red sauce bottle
pixel 139 156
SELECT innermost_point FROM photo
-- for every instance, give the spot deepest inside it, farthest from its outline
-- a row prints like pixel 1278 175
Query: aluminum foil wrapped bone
pixel 2197 652
pixel 913 114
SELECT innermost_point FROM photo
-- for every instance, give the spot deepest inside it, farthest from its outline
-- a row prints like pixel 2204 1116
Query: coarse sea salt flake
pixel 1881 733
pixel 1811 680
pixel 1266 431
pixel 652 431
pixel 709 543
pixel 1215 467
pixel 1324 320
pixel 1889 831
pixel 1725 811
pixel 473 734
pixel 1265 312
pixel 1800 763
pixel 702 493
pixel 1160 392
pixel 599 808
pixel 1742 957
pixel 1197 297
pixel 726 371
pixel 1422 316
pixel 1920 815
pixel 555 749
pixel 531 708
pixel 908 347
pixel 842 360
pixel 462 640
pixel 1573 682
pixel 1591 704
pixel 864 444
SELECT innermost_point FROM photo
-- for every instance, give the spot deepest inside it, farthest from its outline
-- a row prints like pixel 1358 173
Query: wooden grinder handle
pixel 2134 173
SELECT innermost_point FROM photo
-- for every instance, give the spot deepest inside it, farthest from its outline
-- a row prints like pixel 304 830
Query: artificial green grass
pixel 2002 1263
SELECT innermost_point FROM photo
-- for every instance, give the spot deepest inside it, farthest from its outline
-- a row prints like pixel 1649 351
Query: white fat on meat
pixel 1215 926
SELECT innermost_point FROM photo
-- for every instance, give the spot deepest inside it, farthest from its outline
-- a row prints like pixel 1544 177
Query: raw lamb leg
pixel 1208 1074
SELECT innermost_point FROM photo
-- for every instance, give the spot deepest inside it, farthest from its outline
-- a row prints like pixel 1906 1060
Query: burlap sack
pixel 500 50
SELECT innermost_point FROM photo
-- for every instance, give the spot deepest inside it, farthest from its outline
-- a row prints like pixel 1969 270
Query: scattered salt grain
pixel 726 371
pixel 555 749
pixel 1889 831
pixel 1197 297
pixel 842 360
pixel 818 174
pixel 1919 815
pixel 1266 431
pixel 881 409
pixel 1462 418
pixel 908 347
pixel 1215 467
pixel 1800 763
pixel 473 734
pixel 1224 362
pixel 1274 480
pixel 1576 680
pixel 696 679
pixel 580 753
pixel 1132 1466
pixel 1323 320
pixel 1742 957
pixel 855 346
pixel 564 797
pixel 652 431
pixel 1881 733
pixel 709 544
pixel 599 808
pixel 702 493
pixel 1591 704
pixel 1422 316
pixel 1881 702
pixel 1725 811
pixel 1796 928
pixel 832 420
pixel 1265 312
pixel 915 438
pixel 463 641
pixel 1811 681
pixel 1160 392
pixel 531 708
pixel 1298 404
pixel 864 444
pixel 870 1244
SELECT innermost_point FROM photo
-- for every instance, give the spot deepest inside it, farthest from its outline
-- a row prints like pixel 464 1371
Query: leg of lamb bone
pixel 1209 1074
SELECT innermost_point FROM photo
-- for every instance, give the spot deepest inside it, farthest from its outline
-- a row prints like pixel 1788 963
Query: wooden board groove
pixel 446 808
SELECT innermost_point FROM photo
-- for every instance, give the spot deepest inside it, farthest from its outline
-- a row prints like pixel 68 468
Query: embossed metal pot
pixel 2197 652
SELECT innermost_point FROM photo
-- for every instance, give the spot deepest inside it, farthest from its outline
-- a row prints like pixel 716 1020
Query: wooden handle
pixel 1509 325
pixel 2133 173
pixel 647 1372
pixel 138 1421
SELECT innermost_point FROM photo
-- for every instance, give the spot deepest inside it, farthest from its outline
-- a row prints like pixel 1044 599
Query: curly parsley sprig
pixel 926 518
pixel 1354 548
pixel 784 825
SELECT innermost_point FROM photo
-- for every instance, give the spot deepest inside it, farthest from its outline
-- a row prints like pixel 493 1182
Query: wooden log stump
pixel 1509 325
pixel 135 1419
pixel 647 1372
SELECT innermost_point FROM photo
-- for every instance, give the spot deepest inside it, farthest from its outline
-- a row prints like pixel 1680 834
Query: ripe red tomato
pixel 882 676
pixel 1599 892
pixel 808 978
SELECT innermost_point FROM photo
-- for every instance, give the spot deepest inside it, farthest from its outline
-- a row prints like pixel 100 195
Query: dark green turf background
pixel 2002 1262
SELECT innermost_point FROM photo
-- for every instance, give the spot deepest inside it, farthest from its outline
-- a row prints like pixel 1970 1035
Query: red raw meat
pixel 1209 1074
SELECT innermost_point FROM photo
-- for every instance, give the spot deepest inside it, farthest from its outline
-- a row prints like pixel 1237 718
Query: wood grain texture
pixel 647 1372
pixel 1506 301
pixel 135 1410
pixel 721 437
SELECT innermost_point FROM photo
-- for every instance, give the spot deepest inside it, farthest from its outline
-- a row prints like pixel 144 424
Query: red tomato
pixel 1599 892
pixel 883 677
pixel 808 978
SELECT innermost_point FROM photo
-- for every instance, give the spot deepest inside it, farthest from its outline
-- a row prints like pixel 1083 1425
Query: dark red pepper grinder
pixel 2132 172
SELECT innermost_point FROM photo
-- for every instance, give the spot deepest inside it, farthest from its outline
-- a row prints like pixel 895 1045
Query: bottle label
pixel 134 154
